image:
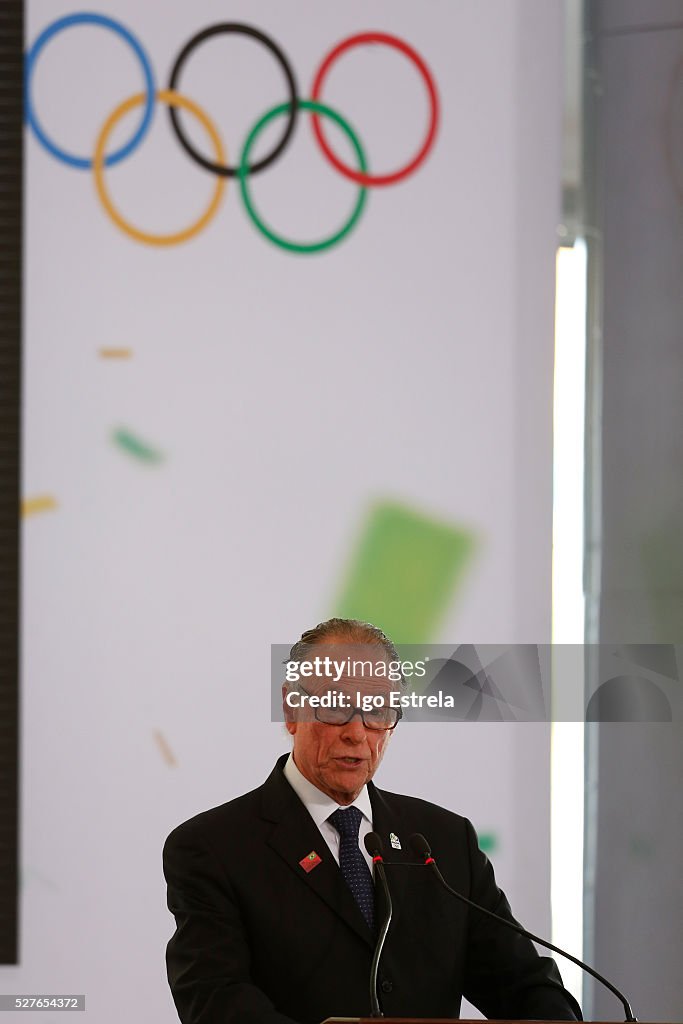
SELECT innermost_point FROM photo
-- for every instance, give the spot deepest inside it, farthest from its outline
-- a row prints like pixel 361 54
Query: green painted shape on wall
pixel 405 572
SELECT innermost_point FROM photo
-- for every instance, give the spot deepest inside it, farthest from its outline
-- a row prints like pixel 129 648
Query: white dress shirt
pixel 320 806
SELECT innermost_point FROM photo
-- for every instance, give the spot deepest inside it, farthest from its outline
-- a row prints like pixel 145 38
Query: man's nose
pixel 354 730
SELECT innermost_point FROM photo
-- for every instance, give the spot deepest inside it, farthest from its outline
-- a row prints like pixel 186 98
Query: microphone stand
pixel 373 844
pixel 421 847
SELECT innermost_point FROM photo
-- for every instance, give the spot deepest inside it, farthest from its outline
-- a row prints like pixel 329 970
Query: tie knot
pixel 347 822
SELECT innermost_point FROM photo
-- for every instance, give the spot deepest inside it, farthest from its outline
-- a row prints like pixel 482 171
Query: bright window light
pixel 567 735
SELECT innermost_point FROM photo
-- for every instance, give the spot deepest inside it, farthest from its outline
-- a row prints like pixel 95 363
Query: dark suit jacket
pixel 261 941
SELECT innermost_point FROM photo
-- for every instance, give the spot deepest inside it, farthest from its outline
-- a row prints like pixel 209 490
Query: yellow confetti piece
pixel 166 751
pixel 40 503
pixel 116 353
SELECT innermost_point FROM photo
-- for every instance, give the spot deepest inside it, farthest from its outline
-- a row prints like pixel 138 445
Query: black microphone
pixel 373 844
pixel 421 848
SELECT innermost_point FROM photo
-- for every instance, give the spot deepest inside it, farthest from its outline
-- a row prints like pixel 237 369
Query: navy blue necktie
pixel 353 864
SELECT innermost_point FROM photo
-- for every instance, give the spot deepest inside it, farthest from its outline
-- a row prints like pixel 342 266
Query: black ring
pixel 230 26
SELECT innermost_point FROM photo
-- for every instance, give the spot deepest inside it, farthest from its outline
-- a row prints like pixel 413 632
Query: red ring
pixel 398 44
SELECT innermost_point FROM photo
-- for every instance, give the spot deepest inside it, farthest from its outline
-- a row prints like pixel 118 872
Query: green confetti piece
pixel 488 842
pixel 134 446
pixel 405 572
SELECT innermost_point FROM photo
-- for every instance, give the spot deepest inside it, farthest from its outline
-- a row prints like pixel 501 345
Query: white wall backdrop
pixel 205 491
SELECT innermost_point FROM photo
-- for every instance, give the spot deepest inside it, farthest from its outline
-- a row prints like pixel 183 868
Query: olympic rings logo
pixel 243 169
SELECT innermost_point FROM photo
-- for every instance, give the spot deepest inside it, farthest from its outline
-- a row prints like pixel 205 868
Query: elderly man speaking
pixel 273 893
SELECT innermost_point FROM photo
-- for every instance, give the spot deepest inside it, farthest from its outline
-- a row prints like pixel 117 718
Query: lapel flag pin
pixel 310 861
pixel 395 841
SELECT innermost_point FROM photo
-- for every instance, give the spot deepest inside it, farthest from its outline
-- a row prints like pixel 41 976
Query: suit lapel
pixel 294 835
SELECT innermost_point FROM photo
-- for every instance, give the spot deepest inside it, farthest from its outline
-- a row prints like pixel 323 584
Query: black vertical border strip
pixel 11 181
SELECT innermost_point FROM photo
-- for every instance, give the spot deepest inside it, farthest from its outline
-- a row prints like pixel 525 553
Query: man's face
pixel 340 759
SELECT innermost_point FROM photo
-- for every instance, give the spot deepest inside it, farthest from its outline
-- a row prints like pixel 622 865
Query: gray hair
pixel 352 631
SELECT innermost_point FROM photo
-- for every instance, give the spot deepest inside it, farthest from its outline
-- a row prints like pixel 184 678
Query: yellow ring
pixel 171 99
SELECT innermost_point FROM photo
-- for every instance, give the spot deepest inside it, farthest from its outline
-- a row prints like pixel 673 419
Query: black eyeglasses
pixel 380 719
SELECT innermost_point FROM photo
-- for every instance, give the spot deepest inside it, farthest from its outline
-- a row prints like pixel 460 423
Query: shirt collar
pixel 318 804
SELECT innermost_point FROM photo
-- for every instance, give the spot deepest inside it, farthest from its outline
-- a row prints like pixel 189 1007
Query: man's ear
pixel 288 712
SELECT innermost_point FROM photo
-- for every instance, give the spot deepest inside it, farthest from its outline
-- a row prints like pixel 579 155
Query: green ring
pixel 284 243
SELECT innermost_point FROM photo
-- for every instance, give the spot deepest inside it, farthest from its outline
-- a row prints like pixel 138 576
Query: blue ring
pixel 88 19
